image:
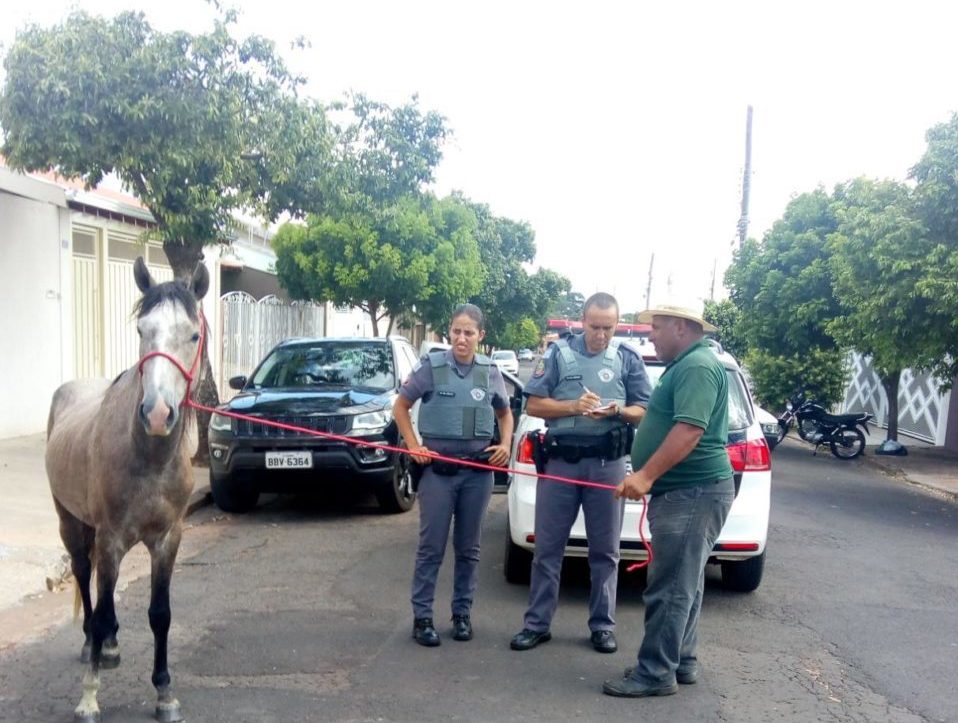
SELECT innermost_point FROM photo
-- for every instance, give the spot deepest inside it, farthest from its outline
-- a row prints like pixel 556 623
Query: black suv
pixel 345 386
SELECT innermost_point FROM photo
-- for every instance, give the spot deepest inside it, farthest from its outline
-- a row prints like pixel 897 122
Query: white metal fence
pixel 250 328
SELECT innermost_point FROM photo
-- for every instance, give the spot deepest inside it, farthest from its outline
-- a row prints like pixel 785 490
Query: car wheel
pixel 234 493
pixel 847 443
pixel 395 493
pixel 517 564
pixel 743 575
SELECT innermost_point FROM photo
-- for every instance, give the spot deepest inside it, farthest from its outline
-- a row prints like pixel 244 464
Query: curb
pixel 900 474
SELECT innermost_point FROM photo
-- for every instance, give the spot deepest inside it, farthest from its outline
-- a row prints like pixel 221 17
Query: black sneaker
pixel 461 627
pixel 424 632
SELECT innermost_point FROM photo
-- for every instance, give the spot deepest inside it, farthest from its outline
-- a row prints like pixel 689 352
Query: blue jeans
pixel 684 524
pixel 465 497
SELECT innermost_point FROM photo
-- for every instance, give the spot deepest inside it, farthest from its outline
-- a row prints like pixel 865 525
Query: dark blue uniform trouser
pixel 557 505
pixel 463 497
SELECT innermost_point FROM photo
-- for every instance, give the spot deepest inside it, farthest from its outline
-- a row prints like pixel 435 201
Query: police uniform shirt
pixel 545 377
pixel 419 385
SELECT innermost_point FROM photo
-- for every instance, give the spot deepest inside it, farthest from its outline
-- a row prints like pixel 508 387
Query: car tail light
pixel 525 450
pixel 750 456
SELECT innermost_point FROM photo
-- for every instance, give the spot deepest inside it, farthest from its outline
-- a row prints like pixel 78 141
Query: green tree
pixel 936 197
pixel 879 259
pixel 196 126
pixel 417 255
pixel 782 288
pixel 522 334
pixel 725 315
pixel 381 241
pixel 821 373
pixel 510 294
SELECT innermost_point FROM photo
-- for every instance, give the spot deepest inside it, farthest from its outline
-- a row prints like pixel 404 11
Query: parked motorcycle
pixel 843 433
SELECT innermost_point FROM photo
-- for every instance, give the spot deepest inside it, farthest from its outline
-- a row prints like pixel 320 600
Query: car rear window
pixel 503 355
pixel 346 364
pixel 739 405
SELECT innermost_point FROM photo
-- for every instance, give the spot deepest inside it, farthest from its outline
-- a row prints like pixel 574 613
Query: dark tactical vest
pixel 459 407
pixel 601 374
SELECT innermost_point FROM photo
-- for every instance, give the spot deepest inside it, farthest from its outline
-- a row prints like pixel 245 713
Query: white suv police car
pixel 740 548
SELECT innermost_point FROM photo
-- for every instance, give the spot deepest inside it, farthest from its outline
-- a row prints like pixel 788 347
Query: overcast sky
pixel 618 129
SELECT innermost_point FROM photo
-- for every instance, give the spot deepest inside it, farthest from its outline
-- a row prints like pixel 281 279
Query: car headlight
pixel 371 422
pixel 221 423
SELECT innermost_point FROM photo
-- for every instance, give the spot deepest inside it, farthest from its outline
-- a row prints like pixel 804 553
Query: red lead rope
pixel 190 402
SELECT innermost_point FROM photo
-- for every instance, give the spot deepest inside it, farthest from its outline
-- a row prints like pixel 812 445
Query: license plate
pixel 289 460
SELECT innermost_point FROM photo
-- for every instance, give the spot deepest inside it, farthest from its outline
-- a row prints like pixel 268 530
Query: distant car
pixel 769 424
pixel 427 347
pixel 506 360
pixel 740 548
pixel 346 386
pixel 526 355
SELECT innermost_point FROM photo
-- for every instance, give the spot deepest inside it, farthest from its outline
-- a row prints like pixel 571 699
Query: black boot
pixel 461 627
pixel 425 633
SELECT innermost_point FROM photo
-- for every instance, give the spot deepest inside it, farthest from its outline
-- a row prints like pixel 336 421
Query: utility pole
pixel 648 288
pixel 712 290
pixel 746 181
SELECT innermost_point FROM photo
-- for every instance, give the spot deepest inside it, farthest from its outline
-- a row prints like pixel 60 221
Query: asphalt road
pixel 299 612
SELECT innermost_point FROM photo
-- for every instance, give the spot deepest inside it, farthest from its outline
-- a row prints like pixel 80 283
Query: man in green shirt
pixel 679 455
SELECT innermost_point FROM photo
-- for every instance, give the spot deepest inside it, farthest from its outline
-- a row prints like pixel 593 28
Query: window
pixel 329 364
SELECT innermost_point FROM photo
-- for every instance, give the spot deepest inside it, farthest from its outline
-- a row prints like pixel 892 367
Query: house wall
pixel 35 310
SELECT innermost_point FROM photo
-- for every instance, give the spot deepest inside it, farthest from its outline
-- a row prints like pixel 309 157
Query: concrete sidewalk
pixel 32 558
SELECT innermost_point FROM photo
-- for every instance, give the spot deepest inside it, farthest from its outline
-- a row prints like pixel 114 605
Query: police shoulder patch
pixel 540 369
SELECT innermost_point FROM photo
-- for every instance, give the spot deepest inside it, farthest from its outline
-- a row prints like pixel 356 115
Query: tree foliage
pixel 196 126
pixel 783 286
pixel 726 316
pixel 821 373
pixel 415 253
pixel 522 334
pixel 567 306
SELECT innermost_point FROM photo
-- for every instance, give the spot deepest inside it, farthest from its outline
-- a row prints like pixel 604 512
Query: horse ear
pixel 200 283
pixel 142 275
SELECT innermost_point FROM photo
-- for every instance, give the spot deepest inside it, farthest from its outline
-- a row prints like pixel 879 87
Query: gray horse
pixel 120 474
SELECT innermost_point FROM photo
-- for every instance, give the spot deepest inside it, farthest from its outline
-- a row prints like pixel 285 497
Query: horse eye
pixel 195 337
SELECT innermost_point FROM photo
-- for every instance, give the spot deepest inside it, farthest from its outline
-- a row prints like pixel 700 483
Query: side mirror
pixel 237 382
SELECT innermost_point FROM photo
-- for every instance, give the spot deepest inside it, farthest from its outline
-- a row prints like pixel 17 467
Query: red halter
pixel 190 375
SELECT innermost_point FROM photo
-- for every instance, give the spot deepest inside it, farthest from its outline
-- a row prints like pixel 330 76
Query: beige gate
pixel 104 293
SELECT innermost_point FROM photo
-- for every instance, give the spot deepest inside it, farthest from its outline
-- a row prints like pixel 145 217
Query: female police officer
pixel 461 392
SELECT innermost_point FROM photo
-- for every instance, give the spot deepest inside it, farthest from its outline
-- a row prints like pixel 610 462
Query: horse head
pixel 170 328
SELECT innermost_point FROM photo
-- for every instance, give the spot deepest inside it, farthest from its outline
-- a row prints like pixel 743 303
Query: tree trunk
pixel 890 385
pixel 389 329
pixel 183 259
pixel 372 309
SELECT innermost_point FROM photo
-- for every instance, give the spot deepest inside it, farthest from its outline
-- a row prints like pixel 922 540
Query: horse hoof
pixel 169 712
pixel 86 717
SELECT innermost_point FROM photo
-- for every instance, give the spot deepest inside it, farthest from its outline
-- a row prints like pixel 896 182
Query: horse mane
pixel 176 291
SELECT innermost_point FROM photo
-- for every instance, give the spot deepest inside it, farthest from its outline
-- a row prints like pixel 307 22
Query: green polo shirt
pixel 692 389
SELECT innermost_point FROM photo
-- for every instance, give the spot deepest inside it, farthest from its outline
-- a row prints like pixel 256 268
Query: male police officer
pixel 589 389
